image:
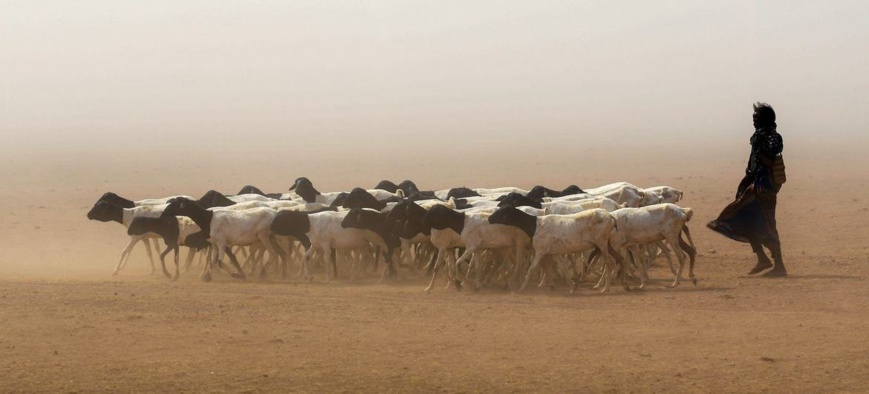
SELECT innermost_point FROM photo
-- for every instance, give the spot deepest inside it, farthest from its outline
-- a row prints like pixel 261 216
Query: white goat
pixel 321 232
pixel 662 222
pixel 500 191
pixel 666 193
pixel 227 228
pixel 239 198
pixel 560 234
pixel 570 207
pixel 478 235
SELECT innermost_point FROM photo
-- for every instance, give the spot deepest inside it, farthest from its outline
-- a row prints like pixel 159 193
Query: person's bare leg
pixel 779 270
pixel 762 261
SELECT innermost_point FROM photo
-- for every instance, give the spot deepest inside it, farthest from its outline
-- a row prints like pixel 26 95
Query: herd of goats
pixel 498 237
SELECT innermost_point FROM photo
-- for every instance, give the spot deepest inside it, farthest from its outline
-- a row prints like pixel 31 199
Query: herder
pixel 751 218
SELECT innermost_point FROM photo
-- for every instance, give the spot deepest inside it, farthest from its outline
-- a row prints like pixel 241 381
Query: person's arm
pixel 748 179
pixel 769 148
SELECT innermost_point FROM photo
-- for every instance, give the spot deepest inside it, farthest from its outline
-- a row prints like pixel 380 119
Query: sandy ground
pixel 67 325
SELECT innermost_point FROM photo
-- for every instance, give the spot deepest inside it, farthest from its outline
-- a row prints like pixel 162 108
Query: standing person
pixel 751 217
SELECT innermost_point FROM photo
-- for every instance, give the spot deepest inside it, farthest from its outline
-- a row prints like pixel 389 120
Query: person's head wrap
pixel 764 116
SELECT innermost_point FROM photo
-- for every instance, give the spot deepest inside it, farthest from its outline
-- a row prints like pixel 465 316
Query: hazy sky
pixel 84 73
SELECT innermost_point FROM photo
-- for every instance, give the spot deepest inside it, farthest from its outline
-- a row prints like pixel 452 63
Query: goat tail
pixel 641 194
pixel 690 249
pixel 612 251
pixel 688 212
pixel 687 234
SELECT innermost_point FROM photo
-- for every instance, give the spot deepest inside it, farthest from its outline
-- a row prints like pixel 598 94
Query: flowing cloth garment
pixel 751 217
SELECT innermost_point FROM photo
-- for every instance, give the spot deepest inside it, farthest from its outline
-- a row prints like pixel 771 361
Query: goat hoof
pixel 206 278
pixel 237 275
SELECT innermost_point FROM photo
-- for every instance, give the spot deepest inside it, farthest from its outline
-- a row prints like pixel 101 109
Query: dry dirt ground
pixel 67 325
